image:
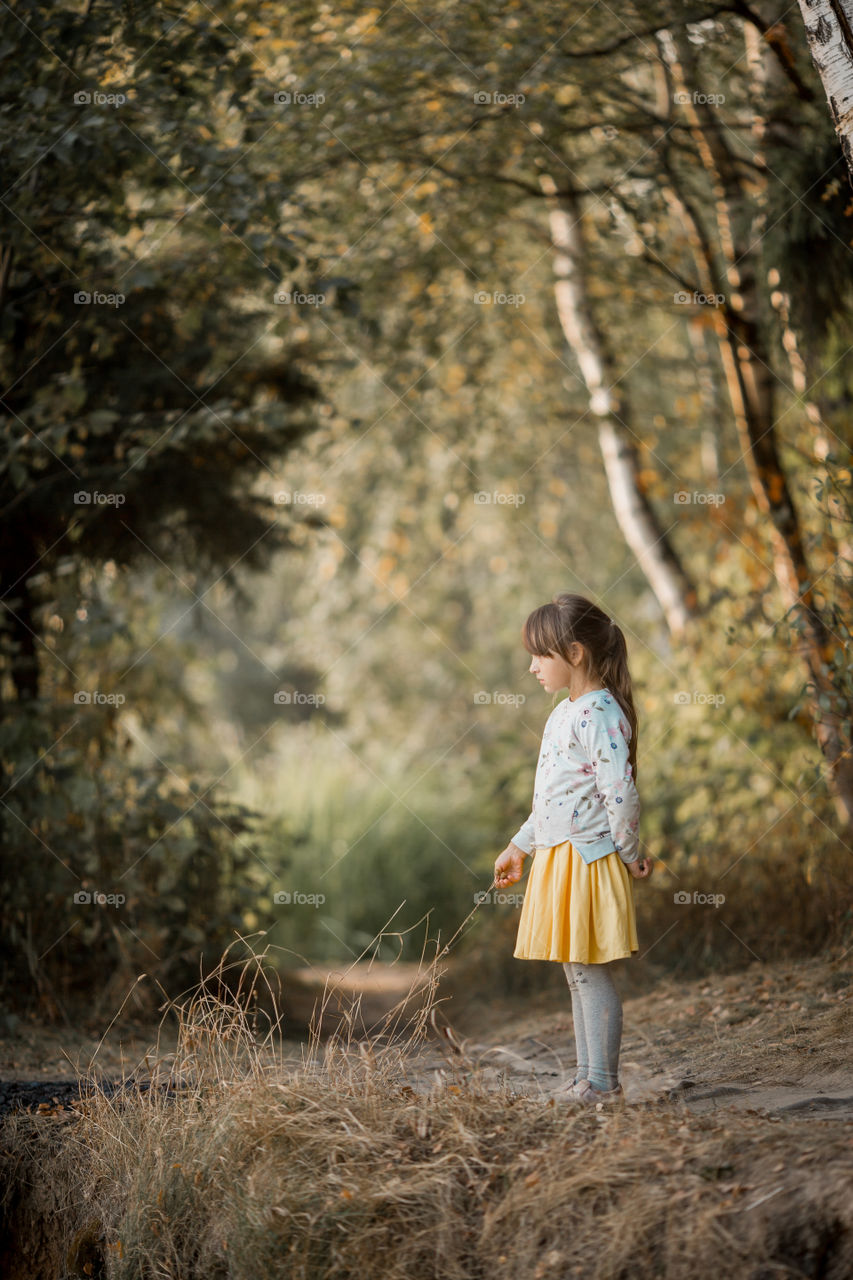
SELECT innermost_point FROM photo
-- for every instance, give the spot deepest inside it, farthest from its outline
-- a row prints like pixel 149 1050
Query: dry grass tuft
pixel 346 1165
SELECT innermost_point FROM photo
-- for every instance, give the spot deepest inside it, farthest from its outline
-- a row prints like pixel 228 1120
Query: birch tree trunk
pixel 637 520
pixel 775 131
pixel 747 365
pixel 829 31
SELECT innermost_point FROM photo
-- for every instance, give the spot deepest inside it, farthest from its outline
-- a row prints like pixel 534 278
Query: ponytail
pixel 613 668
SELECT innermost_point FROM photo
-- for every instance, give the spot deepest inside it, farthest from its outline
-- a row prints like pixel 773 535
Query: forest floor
pixel 775 1038
pixel 454 1149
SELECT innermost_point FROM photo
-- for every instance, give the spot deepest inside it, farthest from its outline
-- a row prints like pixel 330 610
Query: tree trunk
pixel 751 384
pixel 829 31
pixel 776 130
pixel 639 524
pixel 18 631
pixel 712 414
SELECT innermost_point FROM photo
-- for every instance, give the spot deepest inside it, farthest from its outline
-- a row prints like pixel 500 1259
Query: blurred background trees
pixel 427 314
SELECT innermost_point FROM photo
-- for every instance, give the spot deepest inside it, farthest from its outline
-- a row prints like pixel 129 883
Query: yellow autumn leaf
pixel 455 377
pixel 384 567
pixel 361 24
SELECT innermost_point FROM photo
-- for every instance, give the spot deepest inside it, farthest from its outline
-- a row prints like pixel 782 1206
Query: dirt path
pixel 540 1065
pixel 773 1039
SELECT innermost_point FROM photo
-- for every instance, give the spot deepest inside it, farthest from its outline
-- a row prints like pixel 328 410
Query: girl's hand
pixel 641 868
pixel 509 866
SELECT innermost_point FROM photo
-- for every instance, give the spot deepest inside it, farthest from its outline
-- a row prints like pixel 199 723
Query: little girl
pixel 579 903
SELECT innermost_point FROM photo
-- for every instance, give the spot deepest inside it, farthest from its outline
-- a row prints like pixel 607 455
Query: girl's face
pixel 552 671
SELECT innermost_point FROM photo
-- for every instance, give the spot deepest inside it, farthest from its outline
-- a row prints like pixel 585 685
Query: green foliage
pixel 110 867
pixel 147 369
pixel 366 865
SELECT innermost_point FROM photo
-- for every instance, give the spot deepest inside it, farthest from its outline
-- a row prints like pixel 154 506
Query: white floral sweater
pixel 584 791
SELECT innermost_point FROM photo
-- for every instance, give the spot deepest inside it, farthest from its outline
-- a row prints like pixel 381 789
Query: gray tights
pixel 597 1015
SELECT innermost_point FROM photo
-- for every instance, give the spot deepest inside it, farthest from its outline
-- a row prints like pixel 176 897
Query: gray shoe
pixel 585 1092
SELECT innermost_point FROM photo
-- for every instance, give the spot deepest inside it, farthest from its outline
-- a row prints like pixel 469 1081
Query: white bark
pixel 637 521
pixel 829 30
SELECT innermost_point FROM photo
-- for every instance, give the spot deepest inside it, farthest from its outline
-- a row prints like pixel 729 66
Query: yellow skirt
pixel 577 911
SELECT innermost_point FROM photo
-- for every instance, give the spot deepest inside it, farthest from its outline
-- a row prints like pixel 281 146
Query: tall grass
pixel 403 844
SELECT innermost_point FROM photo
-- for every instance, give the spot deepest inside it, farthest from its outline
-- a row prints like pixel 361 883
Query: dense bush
pixel 110 867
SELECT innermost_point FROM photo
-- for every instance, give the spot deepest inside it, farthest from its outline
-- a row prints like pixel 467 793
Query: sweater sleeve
pixel 606 747
pixel 525 835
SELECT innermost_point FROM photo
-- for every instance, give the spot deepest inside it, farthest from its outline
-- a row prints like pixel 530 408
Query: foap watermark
pixel 94 698
pixel 682 898
pixel 95 98
pixel 498 896
pixel 84 299
pixel 490 98
pixel 93 498
pixel 296 98
pixel 295 898
pixel 84 898
pixel 687 696
pixel 683 298
pixel 297 498
pixel 296 299
pixel 683 497
pixel 483 497
pixel 683 99
pixel 294 697
pixel 495 298
pixel 482 698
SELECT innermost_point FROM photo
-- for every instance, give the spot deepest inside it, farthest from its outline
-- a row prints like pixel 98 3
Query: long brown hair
pixel 553 627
